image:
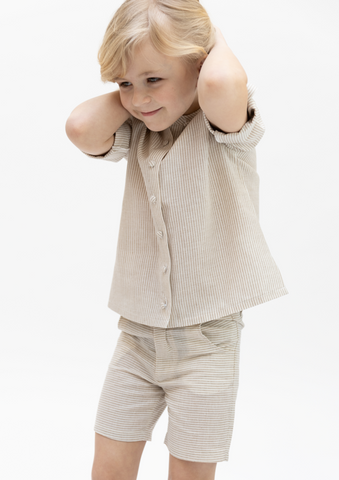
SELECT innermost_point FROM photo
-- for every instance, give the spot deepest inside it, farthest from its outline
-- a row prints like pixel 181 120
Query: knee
pixel 96 475
pixel 114 473
pixel 100 475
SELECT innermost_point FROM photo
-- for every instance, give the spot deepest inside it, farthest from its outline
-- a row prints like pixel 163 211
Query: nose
pixel 140 98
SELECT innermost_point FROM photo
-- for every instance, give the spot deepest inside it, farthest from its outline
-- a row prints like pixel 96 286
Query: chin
pixel 157 126
pixel 155 129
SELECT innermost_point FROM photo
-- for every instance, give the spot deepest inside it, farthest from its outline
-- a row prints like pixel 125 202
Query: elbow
pixel 72 128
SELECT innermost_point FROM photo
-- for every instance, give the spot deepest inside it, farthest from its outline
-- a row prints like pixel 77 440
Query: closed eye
pixel 123 84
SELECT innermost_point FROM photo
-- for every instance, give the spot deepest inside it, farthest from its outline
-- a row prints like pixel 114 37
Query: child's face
pixel 169 86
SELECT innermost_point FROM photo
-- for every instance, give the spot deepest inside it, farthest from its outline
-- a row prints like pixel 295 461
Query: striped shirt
pixel 190 246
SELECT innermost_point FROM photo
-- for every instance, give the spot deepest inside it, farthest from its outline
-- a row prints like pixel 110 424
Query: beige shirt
pixel 190 246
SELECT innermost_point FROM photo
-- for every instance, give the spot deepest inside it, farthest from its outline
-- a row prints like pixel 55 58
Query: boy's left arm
pixel 222 88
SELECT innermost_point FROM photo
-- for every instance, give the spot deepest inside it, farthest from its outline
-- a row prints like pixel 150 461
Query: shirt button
pixel 153 199
pixel 159 233
pixel 164 304
pixel 166 142
pixel 151 163
pixel 164 268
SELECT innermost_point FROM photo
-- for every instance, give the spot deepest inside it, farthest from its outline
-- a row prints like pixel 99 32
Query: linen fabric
pixel 192 370
pixel 190 246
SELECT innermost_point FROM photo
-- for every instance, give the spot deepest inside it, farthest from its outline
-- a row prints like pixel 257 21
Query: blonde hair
pixel 176 28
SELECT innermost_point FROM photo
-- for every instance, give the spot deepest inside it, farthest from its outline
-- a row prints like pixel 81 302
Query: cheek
pixel 172 95
pixel 182 90
pixel 188 86
pixel 124 98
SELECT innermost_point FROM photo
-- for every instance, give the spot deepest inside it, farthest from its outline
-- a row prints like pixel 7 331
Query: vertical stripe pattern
pixel 190 246
pixel 192 370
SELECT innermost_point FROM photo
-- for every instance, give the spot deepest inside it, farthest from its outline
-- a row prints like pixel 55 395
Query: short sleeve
pixel 121 145
pixel 251 132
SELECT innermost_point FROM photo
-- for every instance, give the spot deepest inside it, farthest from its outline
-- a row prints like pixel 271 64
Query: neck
pixel 194 106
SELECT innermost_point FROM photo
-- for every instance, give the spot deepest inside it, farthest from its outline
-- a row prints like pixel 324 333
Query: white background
pixel 60 214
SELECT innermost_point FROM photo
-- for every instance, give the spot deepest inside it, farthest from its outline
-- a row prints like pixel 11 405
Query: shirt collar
pixel 178 126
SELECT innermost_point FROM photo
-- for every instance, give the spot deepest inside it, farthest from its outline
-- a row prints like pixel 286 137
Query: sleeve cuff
pixel 251 132
pixel 121 145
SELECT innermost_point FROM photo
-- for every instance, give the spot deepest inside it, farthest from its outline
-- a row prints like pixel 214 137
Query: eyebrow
pixel 141 75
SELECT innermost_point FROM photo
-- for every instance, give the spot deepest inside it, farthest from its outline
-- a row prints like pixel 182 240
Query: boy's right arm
pixel 91 126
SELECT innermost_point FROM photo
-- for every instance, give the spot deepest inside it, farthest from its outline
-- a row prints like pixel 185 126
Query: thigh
pixel 202 393
pixel 130 403
pixel 116 460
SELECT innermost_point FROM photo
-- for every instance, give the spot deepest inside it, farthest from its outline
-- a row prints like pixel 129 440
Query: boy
pixel 191 255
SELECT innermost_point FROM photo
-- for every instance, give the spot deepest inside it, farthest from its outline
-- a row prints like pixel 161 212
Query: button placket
pixel 155 201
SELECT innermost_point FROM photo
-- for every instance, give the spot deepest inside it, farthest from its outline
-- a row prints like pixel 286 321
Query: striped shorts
pixel 192 370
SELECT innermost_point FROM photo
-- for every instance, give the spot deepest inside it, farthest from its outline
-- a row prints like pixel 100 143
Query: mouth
pixel 146 114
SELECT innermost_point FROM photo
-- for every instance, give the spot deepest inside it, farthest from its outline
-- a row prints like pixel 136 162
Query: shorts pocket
pixel 222 333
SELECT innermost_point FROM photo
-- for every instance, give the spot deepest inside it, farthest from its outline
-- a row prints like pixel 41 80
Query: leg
pixel 114 460
pixel 130 405
pixel 201 388
pixel 185 470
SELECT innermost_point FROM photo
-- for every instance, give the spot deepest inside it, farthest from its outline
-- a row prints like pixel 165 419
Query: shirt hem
pixel 251 302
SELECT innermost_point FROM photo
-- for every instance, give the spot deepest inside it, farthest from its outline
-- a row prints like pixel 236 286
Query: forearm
pixel 221 65
pixel 97 119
